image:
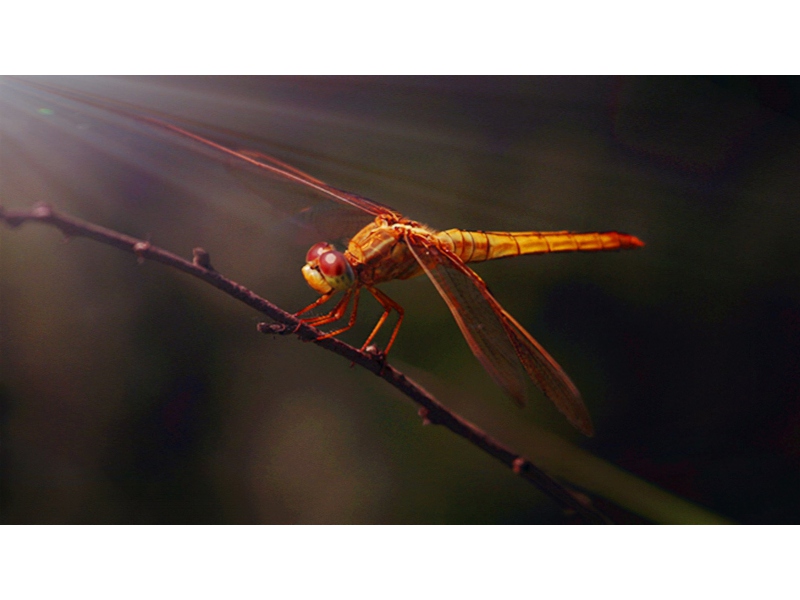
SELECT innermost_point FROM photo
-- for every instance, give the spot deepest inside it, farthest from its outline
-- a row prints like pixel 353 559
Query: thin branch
pixel 431 410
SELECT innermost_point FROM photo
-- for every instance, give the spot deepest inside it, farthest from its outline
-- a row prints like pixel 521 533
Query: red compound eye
pixel 317 250
pixel 332 263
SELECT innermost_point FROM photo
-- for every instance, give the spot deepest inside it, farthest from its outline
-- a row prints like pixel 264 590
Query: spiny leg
pixel 388 304
pixel 352 319
pixel 321 300
pixel 335 314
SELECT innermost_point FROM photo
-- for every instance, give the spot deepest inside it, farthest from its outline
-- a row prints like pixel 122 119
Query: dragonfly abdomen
pixel 476 246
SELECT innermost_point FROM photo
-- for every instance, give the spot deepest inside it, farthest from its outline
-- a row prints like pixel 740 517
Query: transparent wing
pixel 327 213
pixel 324 212
pixel 504 348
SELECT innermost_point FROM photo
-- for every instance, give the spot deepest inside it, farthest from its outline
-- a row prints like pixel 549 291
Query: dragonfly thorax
pixel 379 252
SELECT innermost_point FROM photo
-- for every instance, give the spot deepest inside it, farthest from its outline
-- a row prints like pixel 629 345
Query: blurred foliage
pixel 133 394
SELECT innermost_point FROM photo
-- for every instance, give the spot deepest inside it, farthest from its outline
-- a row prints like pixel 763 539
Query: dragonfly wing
pixel 327 213
pixel 305 213
pixel 269 165
pixel 311 203
pixel 501 344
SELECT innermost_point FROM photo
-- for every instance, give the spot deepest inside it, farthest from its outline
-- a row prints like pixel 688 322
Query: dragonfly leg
pixel 336 313
pixel 350 321
pixel 321 300
pixel 388 304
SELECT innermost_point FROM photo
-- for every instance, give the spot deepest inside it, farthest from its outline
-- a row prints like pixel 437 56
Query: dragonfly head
pixel 327 270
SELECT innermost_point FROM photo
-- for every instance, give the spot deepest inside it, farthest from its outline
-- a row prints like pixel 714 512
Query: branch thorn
pixel 139 249
pixel 274 328
pixel 423 412
pixel 201 258
pixel 42 211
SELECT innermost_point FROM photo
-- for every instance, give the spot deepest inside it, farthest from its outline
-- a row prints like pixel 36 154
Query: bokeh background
pixel 131 393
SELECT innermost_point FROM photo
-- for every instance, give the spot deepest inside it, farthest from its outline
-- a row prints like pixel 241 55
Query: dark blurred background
pixel 134 394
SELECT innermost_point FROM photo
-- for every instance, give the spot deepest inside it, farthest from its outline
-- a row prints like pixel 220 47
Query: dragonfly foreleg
pixel 321 300
pixel 338 312
pixel 388 304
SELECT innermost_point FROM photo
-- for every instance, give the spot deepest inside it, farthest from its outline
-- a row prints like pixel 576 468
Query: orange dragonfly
pixel 384 245
pixel 391 246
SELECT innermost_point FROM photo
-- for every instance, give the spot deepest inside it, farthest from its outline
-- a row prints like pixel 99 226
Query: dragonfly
pixel 391 246
pixel 383 245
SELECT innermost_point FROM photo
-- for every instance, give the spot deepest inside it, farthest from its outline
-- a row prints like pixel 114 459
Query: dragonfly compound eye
pixel 317 250
pixel 335 269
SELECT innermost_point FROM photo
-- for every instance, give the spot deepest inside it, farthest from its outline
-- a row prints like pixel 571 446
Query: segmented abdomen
pixel 476 246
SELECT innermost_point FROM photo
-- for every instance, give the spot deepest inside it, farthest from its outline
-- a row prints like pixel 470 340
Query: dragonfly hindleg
pixel 388 304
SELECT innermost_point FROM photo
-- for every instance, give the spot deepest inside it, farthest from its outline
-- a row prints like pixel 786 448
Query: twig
pixel 431 410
